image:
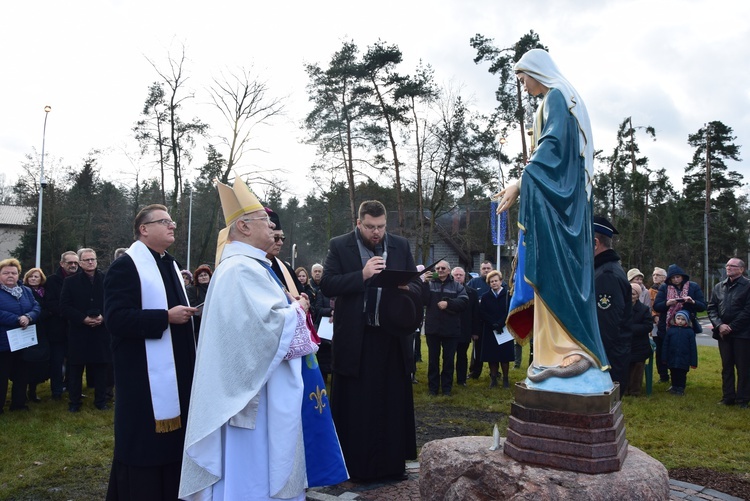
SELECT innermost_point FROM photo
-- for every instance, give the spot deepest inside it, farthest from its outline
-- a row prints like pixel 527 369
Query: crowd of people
pixel 220 371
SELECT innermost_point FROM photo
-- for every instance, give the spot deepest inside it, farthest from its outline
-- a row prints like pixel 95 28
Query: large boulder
pixel 463 468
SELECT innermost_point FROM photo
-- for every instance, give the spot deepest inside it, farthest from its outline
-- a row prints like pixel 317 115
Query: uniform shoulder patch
pixel 604 302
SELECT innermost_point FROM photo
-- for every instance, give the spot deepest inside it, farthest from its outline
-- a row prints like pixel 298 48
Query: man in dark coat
pixel 444 300
pixel 82 302
pixel 729 311
pixel 371 399
pixel 57 324
pixel 147 312
pixel 470 326
pixel 613 302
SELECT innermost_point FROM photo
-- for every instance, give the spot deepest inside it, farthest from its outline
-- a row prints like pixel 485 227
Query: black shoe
pixel 414 380
pixel 447 393
pixel 517 365
pixel 35 399
pixel 463 383
pixel 56 397
pixel 19 408
pixel 663 379
pixel 506 384
pixel 493 381
pixel 74 408
pixel 726 401
pixel 742 405
pixel 433 393
pixel 678 392
pixel 103 407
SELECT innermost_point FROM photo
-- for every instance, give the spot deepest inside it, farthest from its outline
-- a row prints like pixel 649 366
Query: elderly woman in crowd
pixel 197 291
pixel 493 308
pixel 37 356
pixel 18 309
pixel 640 347
pixel 187 277
pixel 636 277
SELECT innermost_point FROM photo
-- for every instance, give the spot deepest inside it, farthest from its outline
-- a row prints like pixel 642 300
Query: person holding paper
pixel 153 347
pixel 371 399
pixel 18 309
pixel 493 308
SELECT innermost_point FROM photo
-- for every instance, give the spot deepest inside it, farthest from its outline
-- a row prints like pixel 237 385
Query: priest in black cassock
pixel 371 392
pixel 147 313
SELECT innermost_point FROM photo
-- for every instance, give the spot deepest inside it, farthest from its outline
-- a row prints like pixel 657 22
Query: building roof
pixel 15 215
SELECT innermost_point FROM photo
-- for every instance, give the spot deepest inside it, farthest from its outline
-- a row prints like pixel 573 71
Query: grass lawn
pixel 51 454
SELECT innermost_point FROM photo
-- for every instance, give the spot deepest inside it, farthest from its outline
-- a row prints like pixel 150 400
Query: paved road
pixel 705 338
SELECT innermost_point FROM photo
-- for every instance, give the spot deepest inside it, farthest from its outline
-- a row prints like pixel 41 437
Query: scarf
pixel 371 306
pixel 162 376
pixel 673 293
pixel 16 291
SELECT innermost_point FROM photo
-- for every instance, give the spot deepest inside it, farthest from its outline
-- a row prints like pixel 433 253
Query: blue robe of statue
pixel 555 256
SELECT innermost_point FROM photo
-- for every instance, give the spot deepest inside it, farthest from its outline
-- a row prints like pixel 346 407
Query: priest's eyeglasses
pixel 372 227
pixel 164 222
pixel 266 218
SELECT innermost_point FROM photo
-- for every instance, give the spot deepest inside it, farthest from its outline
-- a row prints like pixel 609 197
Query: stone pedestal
pixel 464 469
pixel 582 433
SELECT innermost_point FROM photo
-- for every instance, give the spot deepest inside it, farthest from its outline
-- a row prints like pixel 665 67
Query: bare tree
pixel 244 101
pixel 181 135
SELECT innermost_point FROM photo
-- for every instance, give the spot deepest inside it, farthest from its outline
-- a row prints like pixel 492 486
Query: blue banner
pixel 498 237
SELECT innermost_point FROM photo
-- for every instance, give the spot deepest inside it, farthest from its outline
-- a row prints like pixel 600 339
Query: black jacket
pixel 613 309
pixel 641 325
pixel 136 440
pixel 447 322
pixel 342 279
pixel 471 323
pixel 730 304
pixel 81 298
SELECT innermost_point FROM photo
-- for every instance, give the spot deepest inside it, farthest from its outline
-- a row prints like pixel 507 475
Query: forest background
pixel 390 133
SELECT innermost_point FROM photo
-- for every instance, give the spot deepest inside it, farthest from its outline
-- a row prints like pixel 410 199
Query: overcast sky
pixel 670 64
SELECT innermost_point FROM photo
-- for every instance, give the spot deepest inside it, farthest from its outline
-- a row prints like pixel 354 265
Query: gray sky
pixel 673 65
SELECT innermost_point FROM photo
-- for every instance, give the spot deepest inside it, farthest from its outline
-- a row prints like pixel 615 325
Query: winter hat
pixel 634 272
pixel 684 314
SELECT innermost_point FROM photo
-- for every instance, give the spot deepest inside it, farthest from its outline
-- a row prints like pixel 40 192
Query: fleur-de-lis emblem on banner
pixel 318 395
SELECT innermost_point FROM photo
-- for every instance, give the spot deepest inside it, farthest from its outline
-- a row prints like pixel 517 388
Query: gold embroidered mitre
pixel 237 200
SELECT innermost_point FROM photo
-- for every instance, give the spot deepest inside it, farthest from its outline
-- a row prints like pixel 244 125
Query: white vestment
pixel 244 430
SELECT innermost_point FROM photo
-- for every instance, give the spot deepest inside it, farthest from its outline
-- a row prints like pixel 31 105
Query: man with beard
pixel 371 401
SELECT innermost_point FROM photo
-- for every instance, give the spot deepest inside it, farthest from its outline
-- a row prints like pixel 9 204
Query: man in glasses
pixel 246 433
pixel 147 313
pixel 273 255
pixel 729 311
pixel 58 322
pixel 82 302
pixel 371 399
pixel 445 299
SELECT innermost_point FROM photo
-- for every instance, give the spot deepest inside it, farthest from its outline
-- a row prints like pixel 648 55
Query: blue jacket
pixel 679 350
pixel 12 308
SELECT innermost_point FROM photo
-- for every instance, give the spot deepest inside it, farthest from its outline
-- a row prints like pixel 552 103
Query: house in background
pixel 14 220
pixel 461 237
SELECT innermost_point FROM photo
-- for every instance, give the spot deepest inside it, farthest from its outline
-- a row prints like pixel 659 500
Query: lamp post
pixel 42 185
pixel 501 185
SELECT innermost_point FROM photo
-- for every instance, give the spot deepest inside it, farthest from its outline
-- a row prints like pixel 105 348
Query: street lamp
pixel 42 185
pixel 501 185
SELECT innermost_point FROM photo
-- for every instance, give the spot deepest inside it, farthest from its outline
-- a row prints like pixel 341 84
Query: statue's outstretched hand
pixel 507 197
